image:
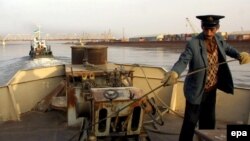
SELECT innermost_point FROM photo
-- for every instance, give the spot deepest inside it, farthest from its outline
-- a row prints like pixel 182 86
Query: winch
pixel 101 98
pixel 106 111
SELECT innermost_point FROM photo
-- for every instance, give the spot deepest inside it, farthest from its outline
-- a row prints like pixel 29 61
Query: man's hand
pixel 170 78
pixel 244 58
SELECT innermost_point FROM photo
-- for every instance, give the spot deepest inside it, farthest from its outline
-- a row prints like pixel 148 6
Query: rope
pixel 161 101
pixel 199 70
pixel 156 88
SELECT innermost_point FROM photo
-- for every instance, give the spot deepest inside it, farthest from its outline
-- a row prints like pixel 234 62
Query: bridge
pixel 58 37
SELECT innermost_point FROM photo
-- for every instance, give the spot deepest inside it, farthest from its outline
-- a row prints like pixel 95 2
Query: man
pixel 206 50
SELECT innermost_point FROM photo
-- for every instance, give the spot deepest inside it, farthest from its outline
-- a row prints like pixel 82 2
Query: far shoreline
pixel 241 45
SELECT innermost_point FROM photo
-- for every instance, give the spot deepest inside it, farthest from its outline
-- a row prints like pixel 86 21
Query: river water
pixel 14 56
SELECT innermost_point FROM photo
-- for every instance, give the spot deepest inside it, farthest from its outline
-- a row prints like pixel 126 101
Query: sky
pixel 127 18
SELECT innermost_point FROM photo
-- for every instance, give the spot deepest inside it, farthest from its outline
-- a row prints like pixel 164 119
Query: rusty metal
pixel 99 94
pixel 96 55
pixel 78 54
pixel 71 99
pixel 127 122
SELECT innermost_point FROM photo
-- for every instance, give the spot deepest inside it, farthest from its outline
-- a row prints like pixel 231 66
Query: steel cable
pixel 156 88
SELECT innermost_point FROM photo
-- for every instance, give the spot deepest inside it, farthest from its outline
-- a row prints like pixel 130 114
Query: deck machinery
pixel 101 96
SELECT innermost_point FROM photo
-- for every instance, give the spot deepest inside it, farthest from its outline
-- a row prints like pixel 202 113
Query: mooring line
pixel 136 100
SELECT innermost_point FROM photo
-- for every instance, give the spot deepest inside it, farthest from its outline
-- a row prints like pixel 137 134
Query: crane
pixel 192 27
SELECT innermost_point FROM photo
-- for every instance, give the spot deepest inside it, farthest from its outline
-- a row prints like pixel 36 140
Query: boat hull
pixel 28 87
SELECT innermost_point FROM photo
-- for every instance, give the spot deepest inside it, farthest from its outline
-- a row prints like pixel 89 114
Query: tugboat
pixel 39 48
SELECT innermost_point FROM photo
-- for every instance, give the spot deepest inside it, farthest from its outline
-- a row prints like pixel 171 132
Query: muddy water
pixel 14 56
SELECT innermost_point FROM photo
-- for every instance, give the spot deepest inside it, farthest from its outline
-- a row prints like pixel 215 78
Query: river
pixel 14 56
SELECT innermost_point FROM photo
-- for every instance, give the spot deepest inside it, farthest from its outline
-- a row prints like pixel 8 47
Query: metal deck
pixel 52 126
pixel 168 132
pixel 38 126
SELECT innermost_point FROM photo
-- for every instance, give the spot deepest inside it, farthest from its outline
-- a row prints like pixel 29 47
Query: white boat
pixel 39 47
pixel 102 101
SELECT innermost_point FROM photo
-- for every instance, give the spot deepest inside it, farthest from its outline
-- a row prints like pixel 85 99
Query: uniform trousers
pixel 204 113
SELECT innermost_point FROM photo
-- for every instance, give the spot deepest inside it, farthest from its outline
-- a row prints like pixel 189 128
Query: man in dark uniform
pixel 206 50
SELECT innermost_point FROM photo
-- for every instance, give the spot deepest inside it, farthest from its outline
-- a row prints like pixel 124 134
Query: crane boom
pixel 191 25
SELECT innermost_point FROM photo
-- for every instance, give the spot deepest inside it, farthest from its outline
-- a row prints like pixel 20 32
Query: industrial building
pixel 238 35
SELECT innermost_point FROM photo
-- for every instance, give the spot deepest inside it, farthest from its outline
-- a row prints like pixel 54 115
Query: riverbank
pixel 240 45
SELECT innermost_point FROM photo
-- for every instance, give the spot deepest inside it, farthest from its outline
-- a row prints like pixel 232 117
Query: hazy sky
pixel 134 17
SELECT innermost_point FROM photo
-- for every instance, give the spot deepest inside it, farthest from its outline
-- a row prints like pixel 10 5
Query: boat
pixel 92 99
pixel 39 47
pixel 241 45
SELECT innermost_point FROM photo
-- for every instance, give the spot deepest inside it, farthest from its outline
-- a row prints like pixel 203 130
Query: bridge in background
pixel 58 37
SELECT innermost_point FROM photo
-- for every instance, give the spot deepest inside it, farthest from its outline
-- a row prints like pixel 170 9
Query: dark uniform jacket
pixel 195 56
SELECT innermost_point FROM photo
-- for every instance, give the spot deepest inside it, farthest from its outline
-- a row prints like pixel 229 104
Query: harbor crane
pixel 192 27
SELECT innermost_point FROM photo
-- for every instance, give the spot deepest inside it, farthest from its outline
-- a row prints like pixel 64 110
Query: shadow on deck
pixel 38 126
pixel 168 132
pixel 52 126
